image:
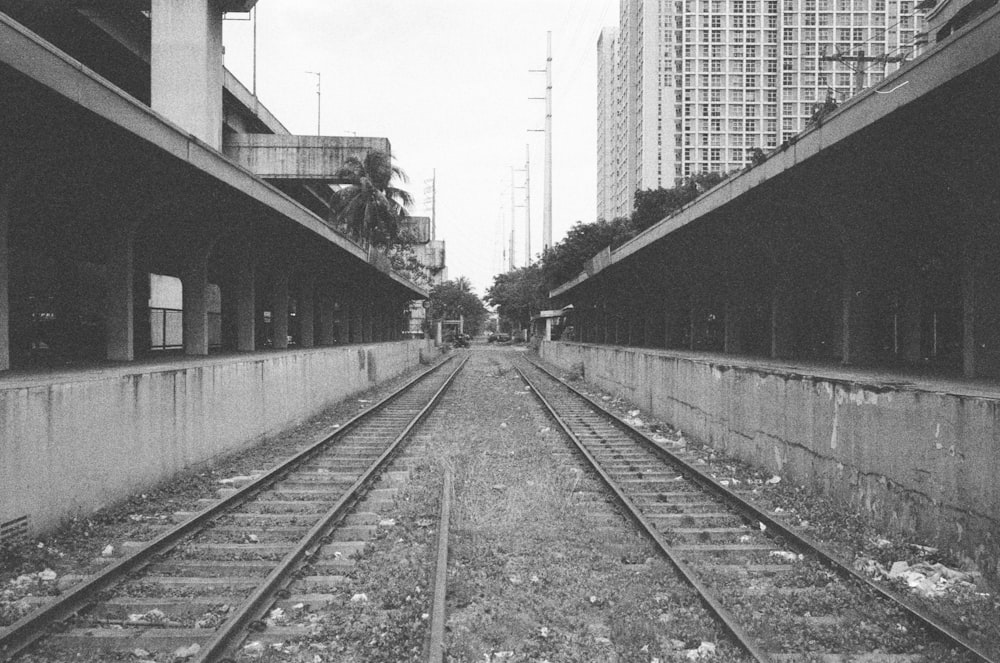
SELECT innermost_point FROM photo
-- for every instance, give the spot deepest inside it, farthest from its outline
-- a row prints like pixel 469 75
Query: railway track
pixel 283 539
pixel 780 596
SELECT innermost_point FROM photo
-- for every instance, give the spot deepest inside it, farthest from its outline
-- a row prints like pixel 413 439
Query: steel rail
pixel 774 527
pixel 727 620
pixel 22 633
pixel 436 647
pixel 226 637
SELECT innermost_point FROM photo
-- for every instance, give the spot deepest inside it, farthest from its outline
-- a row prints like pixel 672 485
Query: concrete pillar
pixel 667 337
pixel 438 333
pixel 856 304
pixel 279 309
pixel 367 322
pixel 6 193
pixel 981 300
pixel 186 72
pixel 327 317
pixel 119 311
pixel 194 281
pixel 305 311
pixel 245 294
pixel 548 329
pixel 782 322
pixel 346 321
pixel 733 328
pixel 357 323
pixel 910 316
pixel 694 313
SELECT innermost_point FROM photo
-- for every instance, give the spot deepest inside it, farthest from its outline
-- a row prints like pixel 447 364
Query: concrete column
pixel 856 303
pixel 667 338
pixel 279 309
pixel 910 316
pixel 969 313
pixel 6 193
pixel 346 321
pixel 6 197
pixel 327 325
pixel 733 334
pixel 194 281
pixel 367 322
pixel 782 324
pixel 694 311
pixel 119 305
pixel 186 72
pixel 245 295
pixel 357 323
pixel 548 329
pixel 981 300
pixel 305 311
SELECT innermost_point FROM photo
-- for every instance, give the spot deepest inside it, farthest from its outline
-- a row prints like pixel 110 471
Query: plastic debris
pixel 48 575
pixel 929 580
pixel 786 555
pixel 108 551
pixel 704 650
pixel 359 598
pixel 774 480
pixel 254 648
pixel 187 652
pixel 634 413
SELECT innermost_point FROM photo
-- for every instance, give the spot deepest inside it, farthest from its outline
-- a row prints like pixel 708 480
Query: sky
pixel 448 83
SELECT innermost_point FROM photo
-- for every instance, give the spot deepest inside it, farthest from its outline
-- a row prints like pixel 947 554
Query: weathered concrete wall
pixel 76 442
pixel 911 458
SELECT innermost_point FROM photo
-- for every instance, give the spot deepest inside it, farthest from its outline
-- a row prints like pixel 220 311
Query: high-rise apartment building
pixel 692 86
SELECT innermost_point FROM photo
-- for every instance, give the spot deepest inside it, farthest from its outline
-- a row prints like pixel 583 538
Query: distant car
pixel 498 337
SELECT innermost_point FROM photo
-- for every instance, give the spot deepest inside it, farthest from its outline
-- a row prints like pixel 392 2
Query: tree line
pixel 519 292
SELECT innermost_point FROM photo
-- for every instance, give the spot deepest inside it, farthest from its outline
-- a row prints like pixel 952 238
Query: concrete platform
pixel 75 440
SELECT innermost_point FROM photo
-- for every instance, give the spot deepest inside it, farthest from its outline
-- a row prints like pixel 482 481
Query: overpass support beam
pixel 194 281
pixel 186 65
pixel 119 306
pixel 305 310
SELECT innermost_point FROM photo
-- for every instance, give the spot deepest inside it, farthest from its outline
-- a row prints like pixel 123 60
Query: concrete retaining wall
pixel 912 459
pixel 73 443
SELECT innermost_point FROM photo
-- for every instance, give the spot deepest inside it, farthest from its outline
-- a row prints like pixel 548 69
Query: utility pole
pixel 513 221
pixel 527 210
pixel 527 204
pixel 430 197
pixel 857 64
pixel 319 78
pixel 547 208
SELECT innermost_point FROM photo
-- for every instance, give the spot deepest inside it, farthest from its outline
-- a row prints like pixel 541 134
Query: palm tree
pixel 369 206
